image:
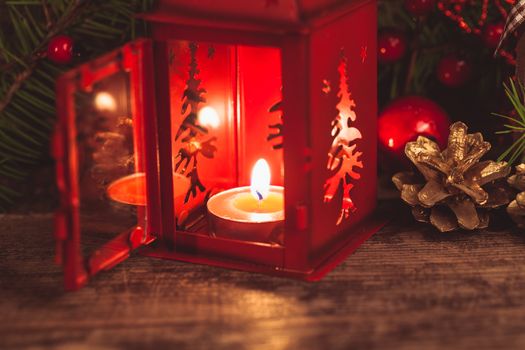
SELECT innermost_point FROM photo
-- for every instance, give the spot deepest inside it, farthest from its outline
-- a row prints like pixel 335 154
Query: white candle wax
pixel 233 214
pixel 239 205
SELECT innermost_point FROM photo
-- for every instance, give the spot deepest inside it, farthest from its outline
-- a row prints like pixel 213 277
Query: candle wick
pixel 259 195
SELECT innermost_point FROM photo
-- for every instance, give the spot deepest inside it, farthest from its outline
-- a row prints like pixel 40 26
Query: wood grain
pixel 408 287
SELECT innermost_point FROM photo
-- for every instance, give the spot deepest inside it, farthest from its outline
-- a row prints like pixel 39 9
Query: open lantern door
pixel 101 146
pixel 241 135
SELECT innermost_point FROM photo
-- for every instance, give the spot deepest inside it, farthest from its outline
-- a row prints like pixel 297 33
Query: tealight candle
pixel 250 213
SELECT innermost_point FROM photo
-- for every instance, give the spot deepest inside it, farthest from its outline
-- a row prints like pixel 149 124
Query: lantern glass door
pixel 111 186
pixel 226 115
pixel 100 152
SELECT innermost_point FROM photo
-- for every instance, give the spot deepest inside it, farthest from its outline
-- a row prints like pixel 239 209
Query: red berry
pixel 453 71
pixel 392 46
pixel 60 49
pixel 406 118
pixel 419 8
pixel 492 34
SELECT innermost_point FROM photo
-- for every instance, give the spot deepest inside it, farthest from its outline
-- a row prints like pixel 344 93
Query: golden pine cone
pixel 454 189
pixel 516 208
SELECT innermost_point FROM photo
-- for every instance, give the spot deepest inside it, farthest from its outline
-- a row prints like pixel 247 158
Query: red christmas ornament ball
pixel 406 118
pixel 492 34
pixel 453 71
pixel 419 8
pixel 60 49
pixel 392 46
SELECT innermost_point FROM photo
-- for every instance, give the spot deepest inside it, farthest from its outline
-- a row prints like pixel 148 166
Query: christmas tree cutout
pixel 343 157
pixel 192 134
pixel 277 128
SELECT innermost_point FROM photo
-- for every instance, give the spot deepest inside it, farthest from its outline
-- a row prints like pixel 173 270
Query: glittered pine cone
pixel 516 208
pixel 454 189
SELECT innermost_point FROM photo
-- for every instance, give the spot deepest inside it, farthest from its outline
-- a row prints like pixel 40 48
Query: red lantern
pixel 242 136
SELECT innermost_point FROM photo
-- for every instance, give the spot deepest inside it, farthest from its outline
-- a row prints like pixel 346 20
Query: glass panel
pixel 226 115
pixel 112 191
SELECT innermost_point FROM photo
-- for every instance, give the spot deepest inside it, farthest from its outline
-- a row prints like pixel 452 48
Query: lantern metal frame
pixel 301 255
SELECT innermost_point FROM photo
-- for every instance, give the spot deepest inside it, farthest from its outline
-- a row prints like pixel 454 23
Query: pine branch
pixel 27 78
pixel 47 14
pixel 20 78
pixel 516 96
pixel 31 61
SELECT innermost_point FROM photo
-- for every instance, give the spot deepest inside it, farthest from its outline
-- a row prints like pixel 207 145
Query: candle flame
pixel 260 186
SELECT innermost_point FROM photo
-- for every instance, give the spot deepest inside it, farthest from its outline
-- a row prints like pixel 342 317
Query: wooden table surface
pixel 408 287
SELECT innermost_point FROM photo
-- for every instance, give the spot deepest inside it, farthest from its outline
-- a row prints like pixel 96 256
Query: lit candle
pixel 251 213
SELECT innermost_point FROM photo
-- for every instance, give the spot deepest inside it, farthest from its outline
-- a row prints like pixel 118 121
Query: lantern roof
pixel 265 15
